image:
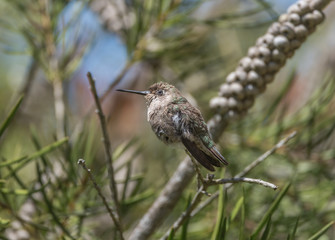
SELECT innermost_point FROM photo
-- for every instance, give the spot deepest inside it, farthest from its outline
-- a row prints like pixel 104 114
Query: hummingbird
pixel 175 120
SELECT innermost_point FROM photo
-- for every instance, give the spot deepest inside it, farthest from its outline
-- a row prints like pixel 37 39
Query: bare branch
pixel 105 139
pixel 242 179
pixel 264 156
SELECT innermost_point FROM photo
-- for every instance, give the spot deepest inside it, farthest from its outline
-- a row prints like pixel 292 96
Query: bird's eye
pixel 160 92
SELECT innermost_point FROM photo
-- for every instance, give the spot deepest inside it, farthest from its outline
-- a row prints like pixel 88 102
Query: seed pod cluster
pixel 116 16
pixel 266 58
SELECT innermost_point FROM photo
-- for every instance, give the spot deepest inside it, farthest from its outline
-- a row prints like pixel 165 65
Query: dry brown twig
pixel 107 145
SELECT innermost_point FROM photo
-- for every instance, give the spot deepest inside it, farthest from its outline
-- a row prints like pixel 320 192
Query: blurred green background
pixel 46 49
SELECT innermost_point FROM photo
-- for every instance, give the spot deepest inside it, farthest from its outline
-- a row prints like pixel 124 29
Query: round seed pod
pixel 237 90
pixel 219 103
pixel 268 78
pixel 294 18
pixel 274 29
pixel 294 44
pixel 309 20
pixel 231 77
pixel 294 9
pixel 259 84
pixel 300 8
pixel 253 52
pixel 278 56
pixel 301 31
pixel 233 115
pixel 273 67
pixel 251 90
pixel 268 41
pixel 225 90
pixel 289 54
pixel 246 63
pixel 303 6
pixel 283 18
pixel 287 29
pixel 281 43
pixel 318 16
pixel 247 103
pixel 260 41
pixel 259 65
pixel 264 53
pixel 232 102
pixel 317 5
pixel 241 75
pixel 254 77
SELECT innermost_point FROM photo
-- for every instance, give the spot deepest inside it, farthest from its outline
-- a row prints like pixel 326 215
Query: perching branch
pixel 202 190
pixel 107 145
pixel 239 180
pixel 113 214
pixel 246 170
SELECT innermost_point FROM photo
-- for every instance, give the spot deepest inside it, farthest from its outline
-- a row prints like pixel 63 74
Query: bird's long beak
pixel 132 91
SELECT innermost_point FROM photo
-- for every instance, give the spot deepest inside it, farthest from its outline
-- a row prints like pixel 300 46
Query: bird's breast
pixel 164 124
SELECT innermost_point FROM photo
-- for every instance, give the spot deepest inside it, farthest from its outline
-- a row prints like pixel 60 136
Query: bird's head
pixel 158 92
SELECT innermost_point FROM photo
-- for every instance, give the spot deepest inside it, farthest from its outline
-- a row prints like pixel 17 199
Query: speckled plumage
pixel 175 120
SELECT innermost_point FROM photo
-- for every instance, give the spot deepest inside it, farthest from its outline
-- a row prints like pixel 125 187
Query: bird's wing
pixel 199 155
pixel 209 144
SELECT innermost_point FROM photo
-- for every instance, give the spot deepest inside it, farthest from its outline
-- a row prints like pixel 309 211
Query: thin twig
pixel 265 155
pixel 90 108
pixel 113 214
pixel 238 180
pixel 246 170
pixel 105 139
